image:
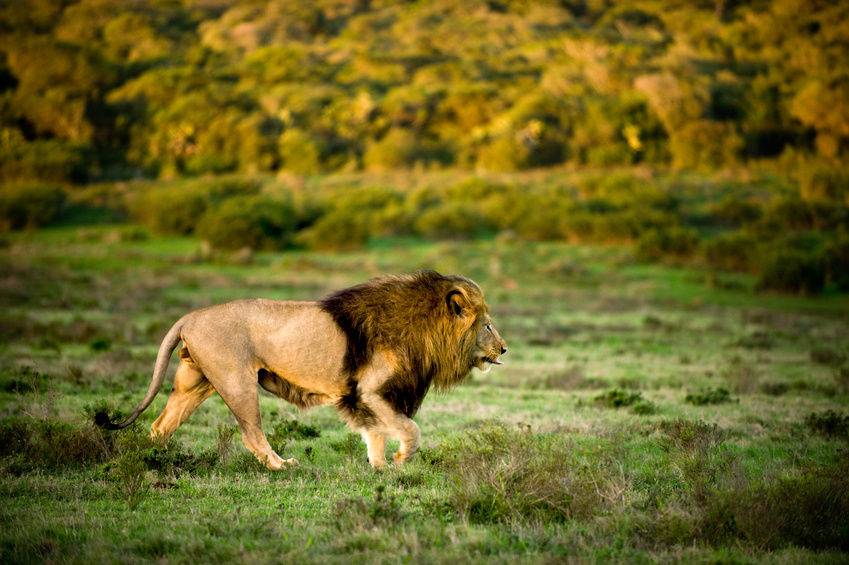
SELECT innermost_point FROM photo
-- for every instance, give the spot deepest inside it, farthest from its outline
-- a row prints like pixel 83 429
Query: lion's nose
pixel 503 349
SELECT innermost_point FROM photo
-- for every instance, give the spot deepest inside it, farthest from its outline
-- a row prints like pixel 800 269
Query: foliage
pixel 218 88
pixel 829 423
pixel 719 395
pixel 29 205
pixel 257 222
pixel 793 270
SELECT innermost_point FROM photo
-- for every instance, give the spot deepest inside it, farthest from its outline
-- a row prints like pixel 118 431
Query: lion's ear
pixel 456 301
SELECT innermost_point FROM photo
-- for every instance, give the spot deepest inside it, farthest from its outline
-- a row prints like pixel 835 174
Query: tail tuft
pixel 103 421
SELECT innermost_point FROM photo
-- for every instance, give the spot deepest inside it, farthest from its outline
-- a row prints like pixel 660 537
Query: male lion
pixel 372 350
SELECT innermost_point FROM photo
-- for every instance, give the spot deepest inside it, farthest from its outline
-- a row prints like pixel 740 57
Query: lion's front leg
pixel 376 443
pixel 389 421
pixel 410 438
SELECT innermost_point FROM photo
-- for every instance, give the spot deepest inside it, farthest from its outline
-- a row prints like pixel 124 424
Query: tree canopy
pixel 97 89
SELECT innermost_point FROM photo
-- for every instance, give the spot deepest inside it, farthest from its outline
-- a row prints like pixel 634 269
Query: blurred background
pixel 713 132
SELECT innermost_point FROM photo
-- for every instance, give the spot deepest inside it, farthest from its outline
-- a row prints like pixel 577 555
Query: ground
pixel 644 413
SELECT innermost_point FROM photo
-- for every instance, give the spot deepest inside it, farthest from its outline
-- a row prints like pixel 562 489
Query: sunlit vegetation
pixel 104 89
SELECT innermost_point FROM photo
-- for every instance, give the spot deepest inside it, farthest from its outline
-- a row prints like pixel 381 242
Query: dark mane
pixel 407 315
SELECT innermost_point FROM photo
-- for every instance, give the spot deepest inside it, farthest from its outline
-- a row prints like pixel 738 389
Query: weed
pixel 100 345
pixel 741 376
pixel 825 355
pixel 719 395
pixel 351 444
pixel 384 511
pixel 50 444
pixel 128 470
pixel 569 379
pixel 617 398
pixel 841 378
pixel 828 423
pixel 224 442
pixel 287 430
pixel 644 408
pixel 775 388
pixel 503 476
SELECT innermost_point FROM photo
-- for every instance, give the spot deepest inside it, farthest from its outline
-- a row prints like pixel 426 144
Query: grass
pixel 644 414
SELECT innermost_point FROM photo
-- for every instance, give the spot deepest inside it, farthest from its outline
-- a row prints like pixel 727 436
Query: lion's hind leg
pixel 242 397
pixel 191 388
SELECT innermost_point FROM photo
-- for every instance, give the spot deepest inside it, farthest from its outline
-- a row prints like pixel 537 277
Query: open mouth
pixel 492 361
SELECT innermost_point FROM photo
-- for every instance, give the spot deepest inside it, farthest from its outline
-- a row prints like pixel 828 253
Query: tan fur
pixel 373 350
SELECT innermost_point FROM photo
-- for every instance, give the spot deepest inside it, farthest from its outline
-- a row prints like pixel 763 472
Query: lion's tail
pixel 172 338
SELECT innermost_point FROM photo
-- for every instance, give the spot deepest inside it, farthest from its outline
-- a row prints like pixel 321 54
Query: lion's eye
pixel 489 327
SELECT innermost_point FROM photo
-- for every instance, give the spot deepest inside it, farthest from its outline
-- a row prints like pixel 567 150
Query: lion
pixel 373 351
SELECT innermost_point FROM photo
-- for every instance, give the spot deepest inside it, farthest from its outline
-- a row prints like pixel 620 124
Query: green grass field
pixel 644 414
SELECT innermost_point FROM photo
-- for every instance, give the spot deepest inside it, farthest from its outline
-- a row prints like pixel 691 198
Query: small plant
pixel 828 423
pixel 224 442
pixel 128 472
pixel 349 445
pixel 644 408
pixel 825 355
pixel 719 395
pixel 384 511
pixel 617 398
pixel 287 430
pixel 793 271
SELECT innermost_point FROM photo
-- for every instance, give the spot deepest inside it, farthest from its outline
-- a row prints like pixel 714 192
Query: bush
pixel 452 220
pixel 44 160
pixel 719 395
pixel 824 183
pixel 732 252
pixel 29 206
pixel 828 423
pixel 398 149
pixel 677 242
pixel 258 222
pixel 335 231
pixel 170 210
pixel 792 270
pixel 837 261
pixel 617 398
pixel 508 477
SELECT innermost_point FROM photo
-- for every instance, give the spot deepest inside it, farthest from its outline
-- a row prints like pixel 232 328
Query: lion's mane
pixel 409 316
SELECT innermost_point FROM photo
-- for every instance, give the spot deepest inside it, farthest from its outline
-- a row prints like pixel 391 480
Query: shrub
pixel 170 209
pixel 719 395
pixel 50 444
pixel 675 242
pixel 335 231
pixel 736 211
pixel 826 355
pixel 301 153
pixel 824 183
pixel 505 476
pixel 793 270
pixel 837 261
pixel 732 252
pixel 29 205
pixel 258 222
pixel 399 148
pixel 452 220
pixel 828 423
pixel 617 398
pixel 44 160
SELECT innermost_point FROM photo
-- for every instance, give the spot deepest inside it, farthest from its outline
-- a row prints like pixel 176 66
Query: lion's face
pixel 488 345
